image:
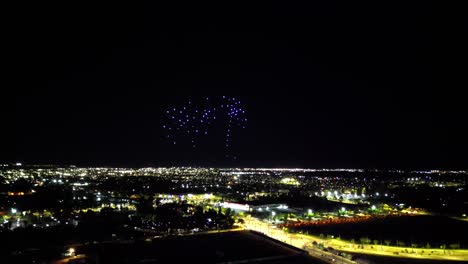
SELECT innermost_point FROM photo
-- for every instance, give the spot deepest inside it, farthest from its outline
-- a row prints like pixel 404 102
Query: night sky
pixel 325 85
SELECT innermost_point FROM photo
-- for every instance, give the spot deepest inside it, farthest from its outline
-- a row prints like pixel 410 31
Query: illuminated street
pixel 292 239
pixel 305 242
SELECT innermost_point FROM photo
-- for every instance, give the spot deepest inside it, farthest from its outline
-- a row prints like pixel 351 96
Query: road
pixel 305 242
pixel 299 241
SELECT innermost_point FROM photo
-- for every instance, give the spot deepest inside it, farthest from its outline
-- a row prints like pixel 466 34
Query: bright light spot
pixel 374 207
pixel 14 211
pixel 240 207
pixel 289 181
pixel 273 213
pixel 310 211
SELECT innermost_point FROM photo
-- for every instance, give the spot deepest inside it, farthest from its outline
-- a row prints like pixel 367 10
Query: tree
pixel 145 205
pixel 228 212
pixel 387 242
pixel 443 246
pixel 428 245
pixel 455 246
pixel 365 240
pixel 376 242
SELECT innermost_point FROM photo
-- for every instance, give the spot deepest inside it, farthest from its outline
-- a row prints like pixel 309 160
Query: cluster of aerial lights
pixel 195 119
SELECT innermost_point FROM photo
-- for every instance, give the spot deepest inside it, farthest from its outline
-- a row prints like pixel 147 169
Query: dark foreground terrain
pixel 231 247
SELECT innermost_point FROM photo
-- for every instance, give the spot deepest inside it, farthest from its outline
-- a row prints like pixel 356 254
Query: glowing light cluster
pixel 235 206
pixel 196 119
pixel 289 181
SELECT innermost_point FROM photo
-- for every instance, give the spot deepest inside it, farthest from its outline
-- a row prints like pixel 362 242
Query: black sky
pixel 326 84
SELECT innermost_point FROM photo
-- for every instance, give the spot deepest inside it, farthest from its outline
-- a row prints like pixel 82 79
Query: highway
pixel 299 241
pixel 305 242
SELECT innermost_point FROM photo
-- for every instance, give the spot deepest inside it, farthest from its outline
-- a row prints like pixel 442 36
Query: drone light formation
pixel 195 119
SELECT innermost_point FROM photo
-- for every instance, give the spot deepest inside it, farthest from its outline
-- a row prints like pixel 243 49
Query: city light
pixel 259 196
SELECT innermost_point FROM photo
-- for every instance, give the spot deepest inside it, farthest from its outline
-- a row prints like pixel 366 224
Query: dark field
pixel 435 230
